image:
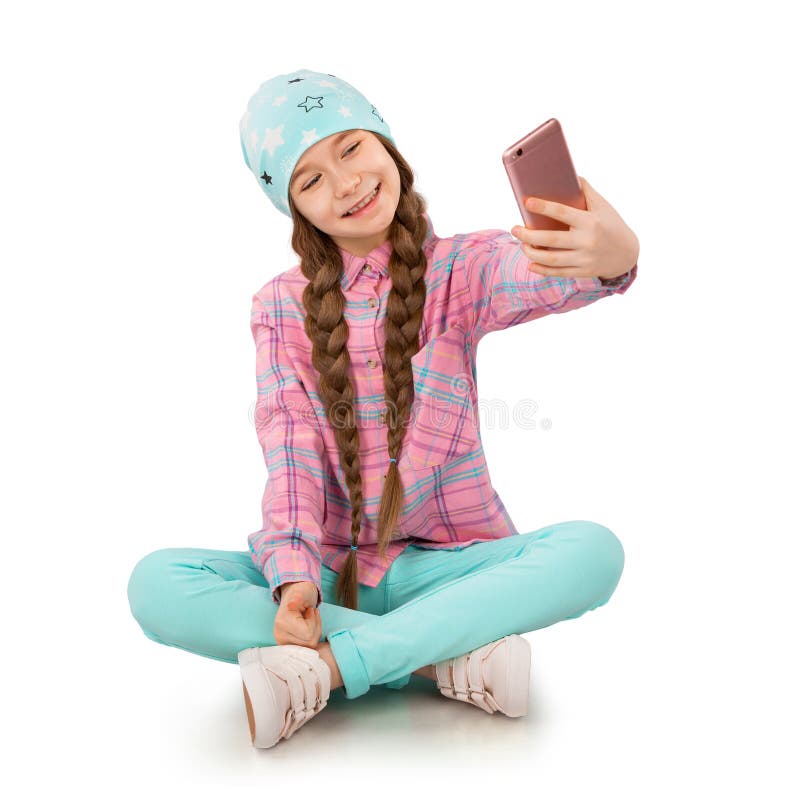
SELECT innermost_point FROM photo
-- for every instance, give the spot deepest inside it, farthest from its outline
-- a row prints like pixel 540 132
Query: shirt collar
pixel 378 258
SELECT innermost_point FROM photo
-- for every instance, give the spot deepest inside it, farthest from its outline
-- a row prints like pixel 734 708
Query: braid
pixel 327 329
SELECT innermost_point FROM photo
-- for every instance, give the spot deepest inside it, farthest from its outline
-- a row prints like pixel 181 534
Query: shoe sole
pixel 259 700
pixel 519 676
pixel 250 716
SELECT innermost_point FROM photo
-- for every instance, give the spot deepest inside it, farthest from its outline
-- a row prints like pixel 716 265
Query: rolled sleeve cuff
pixel 620 284
pixel 276 577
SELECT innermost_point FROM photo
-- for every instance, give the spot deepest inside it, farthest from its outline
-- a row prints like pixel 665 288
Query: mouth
pixel 360 209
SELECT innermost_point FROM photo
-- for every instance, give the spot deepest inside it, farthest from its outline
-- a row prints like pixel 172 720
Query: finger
pixel 561 259
pixel 550 208
pixel 301 630
pixel 305 628
pixel 564 240
pixel 297 609
pixel 287 636
pixel 318 629
pixel 593 198
pixel 311 620
pixel 302 642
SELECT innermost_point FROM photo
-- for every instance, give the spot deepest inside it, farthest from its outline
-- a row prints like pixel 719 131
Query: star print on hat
pixel 288 114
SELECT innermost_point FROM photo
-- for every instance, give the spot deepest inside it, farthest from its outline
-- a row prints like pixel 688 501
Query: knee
pixel 146 583
pixel 603 551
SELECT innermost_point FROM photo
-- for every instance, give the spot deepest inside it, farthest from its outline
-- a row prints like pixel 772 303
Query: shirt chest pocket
pixel 443 423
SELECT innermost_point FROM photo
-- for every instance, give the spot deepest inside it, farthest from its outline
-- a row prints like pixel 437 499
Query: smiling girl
pixel 379 515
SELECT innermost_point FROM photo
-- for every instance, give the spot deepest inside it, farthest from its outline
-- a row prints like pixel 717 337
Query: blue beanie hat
pixel 288 114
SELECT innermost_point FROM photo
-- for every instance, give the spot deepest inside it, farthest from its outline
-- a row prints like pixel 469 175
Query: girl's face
pixel 334 175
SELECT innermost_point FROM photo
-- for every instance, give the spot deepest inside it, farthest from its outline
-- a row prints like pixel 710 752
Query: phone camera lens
pixel 519 151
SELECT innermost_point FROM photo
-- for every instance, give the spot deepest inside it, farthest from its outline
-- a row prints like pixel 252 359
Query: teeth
pixel 361 205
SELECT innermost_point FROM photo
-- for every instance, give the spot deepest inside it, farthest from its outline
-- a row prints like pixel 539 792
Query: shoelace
pixel 461 678
pixel 308 684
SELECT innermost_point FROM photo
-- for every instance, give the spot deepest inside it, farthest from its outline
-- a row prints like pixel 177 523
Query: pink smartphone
pixel 540 165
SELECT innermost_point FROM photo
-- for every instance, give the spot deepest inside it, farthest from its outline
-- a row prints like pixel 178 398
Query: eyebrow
pixel 306 167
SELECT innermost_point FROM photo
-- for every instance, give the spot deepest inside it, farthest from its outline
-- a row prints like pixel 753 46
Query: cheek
pixel 313 208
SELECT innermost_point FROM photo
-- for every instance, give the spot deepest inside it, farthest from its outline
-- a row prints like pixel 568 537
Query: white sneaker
pixel 284 686
pixel 495 677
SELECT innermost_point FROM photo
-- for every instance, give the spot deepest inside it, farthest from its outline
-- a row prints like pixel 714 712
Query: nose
pixel 348 186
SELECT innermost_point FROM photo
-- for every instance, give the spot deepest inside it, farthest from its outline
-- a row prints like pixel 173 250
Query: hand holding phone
pixel 539 165
pixel 592 239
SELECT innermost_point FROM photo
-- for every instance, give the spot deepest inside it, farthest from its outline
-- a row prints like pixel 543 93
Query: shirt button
pixel 372 362
pixel 372 302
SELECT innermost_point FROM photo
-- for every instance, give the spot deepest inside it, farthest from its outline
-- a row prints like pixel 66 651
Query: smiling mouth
pixel 372 195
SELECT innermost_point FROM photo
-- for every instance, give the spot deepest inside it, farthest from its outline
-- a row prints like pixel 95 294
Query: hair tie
pixel 393 459
pixel 354 547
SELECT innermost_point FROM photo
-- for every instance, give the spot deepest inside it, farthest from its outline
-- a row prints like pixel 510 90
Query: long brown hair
pixel 327 329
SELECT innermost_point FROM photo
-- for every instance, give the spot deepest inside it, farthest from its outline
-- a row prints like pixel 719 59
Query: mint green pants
pixel 431 604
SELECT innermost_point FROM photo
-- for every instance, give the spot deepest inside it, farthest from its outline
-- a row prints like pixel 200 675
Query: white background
pixel 134 239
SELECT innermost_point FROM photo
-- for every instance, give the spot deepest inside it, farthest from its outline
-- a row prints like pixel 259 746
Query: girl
pixel 379 515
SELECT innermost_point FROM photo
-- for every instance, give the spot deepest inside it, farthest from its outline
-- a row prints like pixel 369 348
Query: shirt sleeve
pixel 287 548
pixel 504 292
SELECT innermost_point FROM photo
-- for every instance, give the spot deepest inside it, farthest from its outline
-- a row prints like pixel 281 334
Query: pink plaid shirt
pixel 476 283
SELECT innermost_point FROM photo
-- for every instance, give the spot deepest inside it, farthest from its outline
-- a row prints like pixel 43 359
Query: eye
pixel 312 182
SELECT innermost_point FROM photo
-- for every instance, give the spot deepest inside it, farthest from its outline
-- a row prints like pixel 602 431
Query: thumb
pixel 297 606
pixel 593 198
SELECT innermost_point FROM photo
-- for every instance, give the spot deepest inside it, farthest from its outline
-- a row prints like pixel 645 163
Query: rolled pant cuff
pixel 351 666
